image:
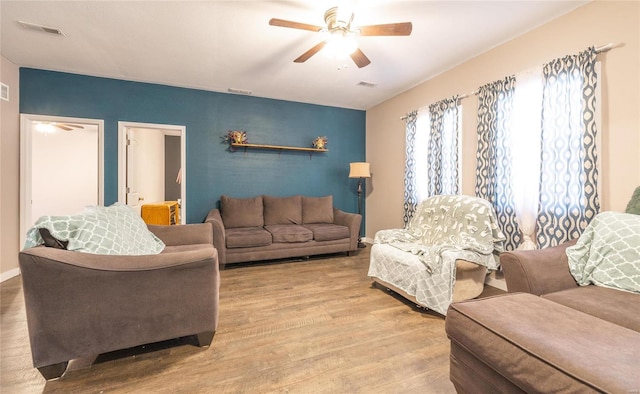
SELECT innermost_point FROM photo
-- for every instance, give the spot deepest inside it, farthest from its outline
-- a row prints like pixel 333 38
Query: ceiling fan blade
pixel 75 126
pixel 63 127
pixel 360 59
pixel 294 25
pixel 315 49
pixel 391 29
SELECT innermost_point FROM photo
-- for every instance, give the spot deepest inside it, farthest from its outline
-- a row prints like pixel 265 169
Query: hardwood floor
pixel 315 326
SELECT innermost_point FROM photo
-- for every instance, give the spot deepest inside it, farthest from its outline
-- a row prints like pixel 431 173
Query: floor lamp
pixel 359 170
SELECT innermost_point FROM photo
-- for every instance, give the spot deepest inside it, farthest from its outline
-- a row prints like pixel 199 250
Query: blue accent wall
pixel 212 170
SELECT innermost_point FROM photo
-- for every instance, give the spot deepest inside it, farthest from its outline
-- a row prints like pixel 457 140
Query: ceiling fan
pixel 48 126
pixel 342 33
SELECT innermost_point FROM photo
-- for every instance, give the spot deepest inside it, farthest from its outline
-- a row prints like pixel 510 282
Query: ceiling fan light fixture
pixel 339 37
pixel 44 128
pixel 336 18
pixel 340 46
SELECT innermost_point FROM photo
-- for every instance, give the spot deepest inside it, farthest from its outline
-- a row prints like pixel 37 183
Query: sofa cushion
pixel 564 351
pixel 282 210
pixel 328 232
pixel 289 233
pixel 607 304
pixel 241 212
pixel 317 209
pixel 247 237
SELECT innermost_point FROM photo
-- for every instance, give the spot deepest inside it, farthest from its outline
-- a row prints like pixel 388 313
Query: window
pixel 537 160
pixel 433 152
pixel 438 150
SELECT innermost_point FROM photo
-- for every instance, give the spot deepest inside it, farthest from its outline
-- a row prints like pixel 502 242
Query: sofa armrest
pixel 186 234
pixel 350 220
pixel 219 236
pixel 538 271
pixel 41 255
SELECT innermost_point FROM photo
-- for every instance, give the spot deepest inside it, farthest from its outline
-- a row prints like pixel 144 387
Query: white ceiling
pixel 217 45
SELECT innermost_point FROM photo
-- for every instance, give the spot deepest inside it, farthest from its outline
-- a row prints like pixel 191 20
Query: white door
pixel 60 166
pixel 145 167
pixel 142 174
pixel 133 198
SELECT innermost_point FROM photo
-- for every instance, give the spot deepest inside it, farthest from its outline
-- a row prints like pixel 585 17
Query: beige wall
pixel 9 172
pixel 594 24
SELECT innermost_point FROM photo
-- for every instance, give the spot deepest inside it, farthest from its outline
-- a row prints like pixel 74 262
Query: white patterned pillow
pixel 608 252
pixel 113 230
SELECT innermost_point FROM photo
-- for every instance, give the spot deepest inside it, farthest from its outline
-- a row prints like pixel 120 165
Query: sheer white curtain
pixel 423 125
pixel 526 129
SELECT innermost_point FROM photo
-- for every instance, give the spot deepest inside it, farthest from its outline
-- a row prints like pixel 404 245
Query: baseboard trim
pixel 367 240
pixel 9 274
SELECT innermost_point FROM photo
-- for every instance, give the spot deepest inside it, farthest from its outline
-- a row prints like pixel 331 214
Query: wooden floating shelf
pixel 277 147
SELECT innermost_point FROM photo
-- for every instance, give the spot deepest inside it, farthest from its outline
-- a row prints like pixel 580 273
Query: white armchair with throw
pixel 442 255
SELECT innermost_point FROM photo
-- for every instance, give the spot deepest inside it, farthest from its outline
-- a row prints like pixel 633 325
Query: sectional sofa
pixel 549 335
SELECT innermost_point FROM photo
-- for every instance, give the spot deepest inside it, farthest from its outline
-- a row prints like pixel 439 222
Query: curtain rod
pixel 405 116
pixel 464 96
pixel 600 49
pixel 609 46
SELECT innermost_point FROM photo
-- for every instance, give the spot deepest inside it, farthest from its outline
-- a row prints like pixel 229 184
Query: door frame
pixel 177 130
pixel 26 123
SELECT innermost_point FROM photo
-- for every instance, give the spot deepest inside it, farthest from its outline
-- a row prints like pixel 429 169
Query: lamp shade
pixel 359 170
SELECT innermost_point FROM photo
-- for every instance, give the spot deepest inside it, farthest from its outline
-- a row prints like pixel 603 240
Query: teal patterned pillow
pixel 634 203
pixel 608 252
pixel 113 230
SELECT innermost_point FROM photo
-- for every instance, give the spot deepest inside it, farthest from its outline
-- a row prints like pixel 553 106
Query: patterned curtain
pixel 442 155
pixel 568 186
pixel 410 190
pixel 493 158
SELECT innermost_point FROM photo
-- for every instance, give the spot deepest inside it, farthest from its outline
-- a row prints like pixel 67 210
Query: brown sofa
pixel 265 227
pixel 548 335
pixel 81 305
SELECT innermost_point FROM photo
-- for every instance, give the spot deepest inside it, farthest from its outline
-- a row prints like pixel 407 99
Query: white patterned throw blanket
pixel 421 259
pixel 608 252
pixel 113 230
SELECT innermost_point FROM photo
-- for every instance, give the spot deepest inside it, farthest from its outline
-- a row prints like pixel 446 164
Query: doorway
pixel 151 164
pixel 51 180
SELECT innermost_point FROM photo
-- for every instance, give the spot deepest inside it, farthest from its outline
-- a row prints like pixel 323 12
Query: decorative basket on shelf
pixel 234 137
pixel 320 143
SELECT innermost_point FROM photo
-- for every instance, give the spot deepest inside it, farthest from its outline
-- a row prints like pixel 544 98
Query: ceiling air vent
pixel 40 28
pixel 367 84
pixel 240 91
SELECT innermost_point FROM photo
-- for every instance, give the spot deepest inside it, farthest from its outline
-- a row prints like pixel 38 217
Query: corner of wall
pixel 10 171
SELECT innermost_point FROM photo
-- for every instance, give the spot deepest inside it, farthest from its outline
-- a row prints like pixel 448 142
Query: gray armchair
pixel 81 304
